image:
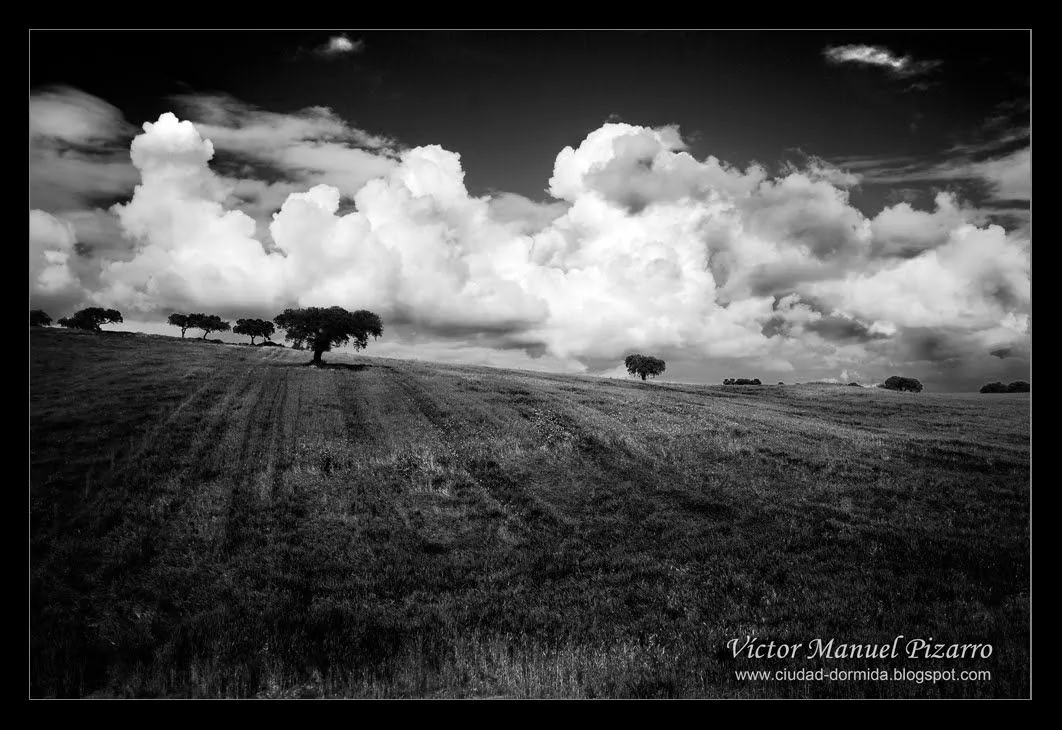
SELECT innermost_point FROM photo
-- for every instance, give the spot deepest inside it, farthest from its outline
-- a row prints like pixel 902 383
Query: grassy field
pixel 218 521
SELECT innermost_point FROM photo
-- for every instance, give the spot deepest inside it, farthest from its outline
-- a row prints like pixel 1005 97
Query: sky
pixel 792 206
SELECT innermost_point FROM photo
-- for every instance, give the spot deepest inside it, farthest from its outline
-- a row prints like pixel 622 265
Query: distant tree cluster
pixel 744 381
pixel 314 328
pixel 854 385
pixel 90 319
pixel 197 320
pixel 1018 386
pixel 644 366
pixel 254 328
pixel 904 384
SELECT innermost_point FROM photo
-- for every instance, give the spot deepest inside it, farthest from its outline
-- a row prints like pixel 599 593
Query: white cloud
pixel 648 249
pixel 341 44
pixel 879 56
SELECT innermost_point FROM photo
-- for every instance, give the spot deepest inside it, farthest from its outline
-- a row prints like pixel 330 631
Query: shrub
pixel 744 381
pixel 1018 386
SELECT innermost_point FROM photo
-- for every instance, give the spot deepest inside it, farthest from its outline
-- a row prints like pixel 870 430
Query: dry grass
pixel 220 521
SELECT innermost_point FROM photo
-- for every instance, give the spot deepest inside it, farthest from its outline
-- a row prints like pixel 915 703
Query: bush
pixel 744 381
pixel 996 387
pixel 1018 386
pixel 854 385
pixel 903 384
pixel 269 343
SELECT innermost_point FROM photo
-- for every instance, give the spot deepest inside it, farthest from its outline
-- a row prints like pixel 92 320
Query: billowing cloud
pixel 902 66
pixel 645 248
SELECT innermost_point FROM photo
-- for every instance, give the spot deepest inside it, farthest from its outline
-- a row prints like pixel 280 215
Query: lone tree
pixel 90 319
pixel 898 383
pixel 39 318
pixel 208 323
pixel 643 365
pixel 322 329
pixel 180 320
pixel 254 328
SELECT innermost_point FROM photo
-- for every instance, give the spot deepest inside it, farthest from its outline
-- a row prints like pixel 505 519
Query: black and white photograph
pixel 608 364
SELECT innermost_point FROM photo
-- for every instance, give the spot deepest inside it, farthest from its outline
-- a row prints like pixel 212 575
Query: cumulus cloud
pixel 645 248
pixel 902 66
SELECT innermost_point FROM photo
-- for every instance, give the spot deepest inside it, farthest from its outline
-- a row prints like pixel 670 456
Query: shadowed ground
pixel 224 521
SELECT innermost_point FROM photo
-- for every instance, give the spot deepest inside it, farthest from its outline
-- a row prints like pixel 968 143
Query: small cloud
pixel 340 44
pixel 902 66
pixel 921 86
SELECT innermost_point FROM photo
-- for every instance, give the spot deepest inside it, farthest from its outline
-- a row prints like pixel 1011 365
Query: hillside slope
pixel 212 520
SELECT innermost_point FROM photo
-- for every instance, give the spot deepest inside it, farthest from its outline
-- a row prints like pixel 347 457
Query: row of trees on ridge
pixel 312 328
pixel 1018 386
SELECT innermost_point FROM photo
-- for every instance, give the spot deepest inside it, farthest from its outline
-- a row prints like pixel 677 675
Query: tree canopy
pixel 899 383
pixel 644 365
pixel 254 328
pixel 91 319
pixel 39 318
pixel 179 320
pixel 323 328
pixel 208 323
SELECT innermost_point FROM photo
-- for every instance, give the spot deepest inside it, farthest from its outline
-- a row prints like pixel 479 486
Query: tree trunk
pixel 252 339
pixel 317 356
pixel 643 376
pixel 182 332
pixel 204 334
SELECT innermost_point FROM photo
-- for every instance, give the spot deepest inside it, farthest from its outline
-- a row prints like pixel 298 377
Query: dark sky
pixel 509 100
